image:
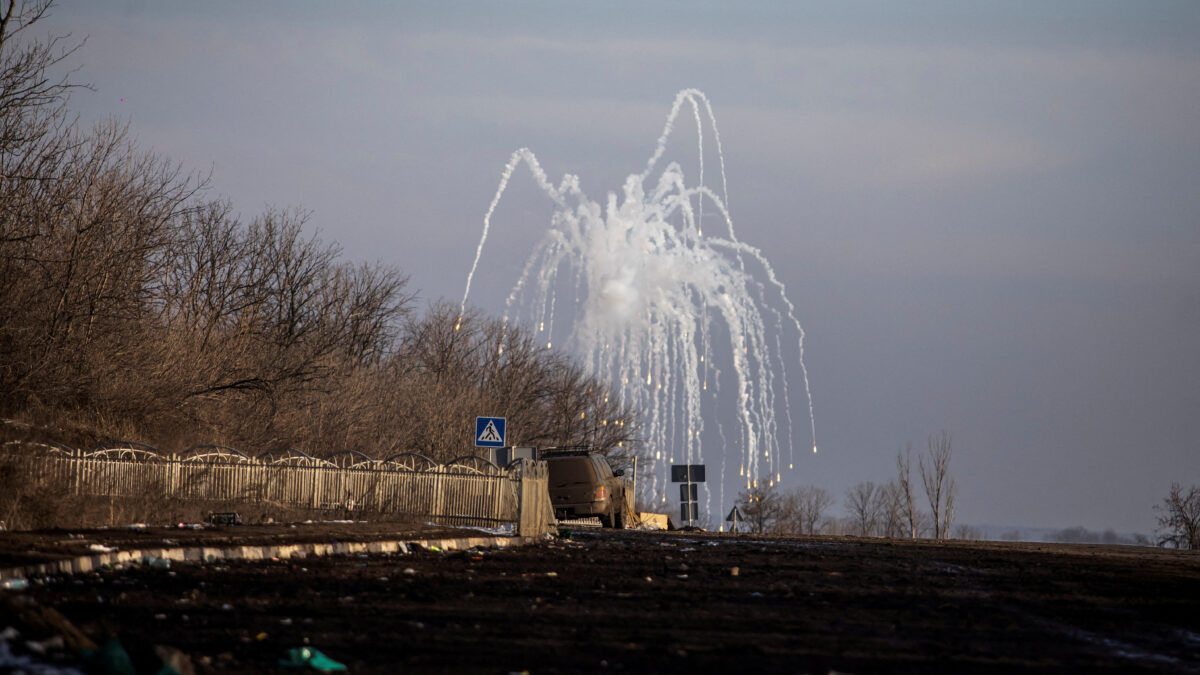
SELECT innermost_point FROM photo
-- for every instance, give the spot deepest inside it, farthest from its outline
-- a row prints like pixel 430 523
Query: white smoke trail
pixel 648 291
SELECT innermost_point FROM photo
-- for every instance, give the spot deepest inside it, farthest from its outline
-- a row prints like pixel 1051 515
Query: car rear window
pixel 571 470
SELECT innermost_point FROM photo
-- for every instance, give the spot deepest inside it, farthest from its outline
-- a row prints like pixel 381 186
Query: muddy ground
pixel 666 602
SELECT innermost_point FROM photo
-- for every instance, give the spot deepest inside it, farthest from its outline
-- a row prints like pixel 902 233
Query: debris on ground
pixel 307 657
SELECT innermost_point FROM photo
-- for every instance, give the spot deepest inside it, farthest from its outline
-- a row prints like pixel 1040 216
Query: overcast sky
pixel 986 214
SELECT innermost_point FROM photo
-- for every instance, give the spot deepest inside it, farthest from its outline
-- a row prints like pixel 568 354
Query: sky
pixel 986 213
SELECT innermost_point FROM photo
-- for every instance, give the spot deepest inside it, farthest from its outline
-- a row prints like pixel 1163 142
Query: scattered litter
pixel 756 594
pixel 137 527
pixel 15 584
pixel 507 530
pixel 227 607
pixel 307 657
pixel 224 518
pixel 285 621
pixel 681 576
pixel 551 574
pixel 261 636
pixel 734 571
pixel 12 663
pixel 435 549
pixel 55 643
pixel 409 571
pixel 101 548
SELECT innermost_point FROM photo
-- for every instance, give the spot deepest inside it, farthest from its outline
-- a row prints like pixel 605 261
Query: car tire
pixel 606 519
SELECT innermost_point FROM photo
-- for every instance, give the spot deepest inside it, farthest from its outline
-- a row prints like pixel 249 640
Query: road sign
pixel 688 511
pixel 687 473
pixel 734 517
pixel 489 432
pixel 688 492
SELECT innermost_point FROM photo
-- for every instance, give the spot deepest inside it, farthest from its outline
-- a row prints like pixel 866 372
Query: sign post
pixel 489 432
pixel 689 475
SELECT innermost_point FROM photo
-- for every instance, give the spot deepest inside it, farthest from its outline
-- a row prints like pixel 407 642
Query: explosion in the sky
pixel 659 308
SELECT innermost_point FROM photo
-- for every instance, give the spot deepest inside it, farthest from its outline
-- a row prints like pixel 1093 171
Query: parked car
pixel 583 485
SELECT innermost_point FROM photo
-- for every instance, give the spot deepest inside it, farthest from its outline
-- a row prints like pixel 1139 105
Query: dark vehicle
pixel 583 485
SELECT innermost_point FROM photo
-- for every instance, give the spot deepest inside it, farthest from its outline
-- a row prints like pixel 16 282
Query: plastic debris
pixel 734 571
pixel 225 518
pixel 55 643
pixel 13 663
pixel 101 548
pixel 15 584
pixel 307 657
pixel 110 659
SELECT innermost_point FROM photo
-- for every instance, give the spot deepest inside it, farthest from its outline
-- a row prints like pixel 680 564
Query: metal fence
pixel 467 491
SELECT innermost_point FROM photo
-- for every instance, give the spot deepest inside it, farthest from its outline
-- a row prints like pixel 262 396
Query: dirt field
pixel 667 602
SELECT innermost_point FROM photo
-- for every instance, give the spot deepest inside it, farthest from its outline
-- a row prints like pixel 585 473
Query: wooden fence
pixel 466 491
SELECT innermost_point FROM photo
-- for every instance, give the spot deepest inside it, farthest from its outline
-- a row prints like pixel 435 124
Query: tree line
pixel 136 308
pixel 901 507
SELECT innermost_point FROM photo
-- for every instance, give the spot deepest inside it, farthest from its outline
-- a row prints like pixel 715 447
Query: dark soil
pixel 667 602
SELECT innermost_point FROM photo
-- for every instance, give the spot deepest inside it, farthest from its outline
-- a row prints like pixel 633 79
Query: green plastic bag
pixel 307 657
pixel 110 659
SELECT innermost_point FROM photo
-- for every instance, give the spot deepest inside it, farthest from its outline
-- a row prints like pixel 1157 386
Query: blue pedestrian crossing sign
pixel 489 432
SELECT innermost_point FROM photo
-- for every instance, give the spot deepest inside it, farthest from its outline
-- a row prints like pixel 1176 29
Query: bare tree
pixel 967 533
pixel 760 506
pixel 939 484
pixel 892 519
pixel 862 506
pixel 1179 518
pixel 904 489
pixel 803 509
